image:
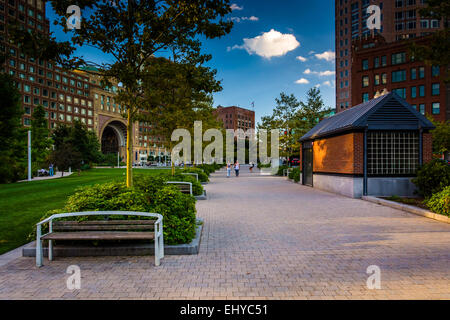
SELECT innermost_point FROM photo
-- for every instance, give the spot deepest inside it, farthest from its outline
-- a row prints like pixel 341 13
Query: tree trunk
pixel 129 150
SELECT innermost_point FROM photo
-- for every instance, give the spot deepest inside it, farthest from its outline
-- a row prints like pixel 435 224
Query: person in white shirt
pixel 236 168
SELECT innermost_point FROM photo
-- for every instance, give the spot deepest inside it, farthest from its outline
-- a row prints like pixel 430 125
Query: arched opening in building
pixel 113 137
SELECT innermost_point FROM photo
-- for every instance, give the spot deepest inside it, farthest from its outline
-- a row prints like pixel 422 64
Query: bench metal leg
pixel 161 244
pixel 50 250
pixel 157 262
pixel 39 252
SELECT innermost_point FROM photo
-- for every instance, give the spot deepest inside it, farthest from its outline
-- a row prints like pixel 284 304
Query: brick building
pixel 374 149
pixel 400 20
pixel 64 95
pixel 378 65
pixel 236 118
pixel 69 95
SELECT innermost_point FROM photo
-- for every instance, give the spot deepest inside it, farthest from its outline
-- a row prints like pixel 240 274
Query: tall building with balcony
pixel 400 20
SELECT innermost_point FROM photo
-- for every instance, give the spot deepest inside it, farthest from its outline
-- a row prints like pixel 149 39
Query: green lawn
pixel 22 204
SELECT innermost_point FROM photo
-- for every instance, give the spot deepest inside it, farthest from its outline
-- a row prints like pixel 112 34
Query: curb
pixel 408 208
pixel 29 250
pixel 202 197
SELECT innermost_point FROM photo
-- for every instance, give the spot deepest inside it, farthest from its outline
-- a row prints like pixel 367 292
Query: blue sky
pixel 266 63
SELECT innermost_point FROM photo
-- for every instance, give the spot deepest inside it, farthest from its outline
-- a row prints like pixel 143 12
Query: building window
pixel 422 108
pixel 413 74
pixel 421 72
pixel 392 153
pixel 421 91
pixel 377 79
pixel 436 108
pixel 384 78
pixel 376 62
pixel 365 64
pixel 435 89
pixel 365 81
pixel 401 92
pixel 383 61
pixel 435 71
pixel 399 76
pixel 365 97
pixel 413 92
pixel 398 58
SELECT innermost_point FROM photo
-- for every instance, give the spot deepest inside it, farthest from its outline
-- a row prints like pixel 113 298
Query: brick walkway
pixel 266 237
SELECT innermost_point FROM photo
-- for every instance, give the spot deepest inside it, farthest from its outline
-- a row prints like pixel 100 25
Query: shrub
pixel 261 165
pixel 281 169
pixel 178 211
pixel 149 194
pixel 440 202
pixel 197 188
pixel 432 178
pixel 202 176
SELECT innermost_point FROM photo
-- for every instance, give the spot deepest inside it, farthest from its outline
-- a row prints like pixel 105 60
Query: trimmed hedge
pixel 440 202
pixel 149 194
pixel 202 176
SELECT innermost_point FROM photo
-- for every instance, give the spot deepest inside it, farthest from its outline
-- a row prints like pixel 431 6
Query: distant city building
pixel 236 118
pixel 378 66
pixel 69 95
pixel 400 20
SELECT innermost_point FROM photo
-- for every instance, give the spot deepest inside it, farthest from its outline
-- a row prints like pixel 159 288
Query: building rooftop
pixel 387 112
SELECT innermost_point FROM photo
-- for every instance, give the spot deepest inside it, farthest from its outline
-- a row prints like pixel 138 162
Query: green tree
pixel 436 52
pixel 294 118
pixel 65 157
pixel 441 136
pixel 12 136
pixel 40 140
pixel 177 94
pixel 83 141
pixel 311 112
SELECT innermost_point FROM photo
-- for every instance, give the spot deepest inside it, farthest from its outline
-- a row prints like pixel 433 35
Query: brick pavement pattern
pixel 265 238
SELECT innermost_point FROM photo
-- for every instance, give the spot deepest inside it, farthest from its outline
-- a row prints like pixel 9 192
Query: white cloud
pixel 234 6
pixel 302 81
pixel 302 59
pixel 327 55
pixel 320 73
pixel 240 19
pixel 317 86
pixel 269 44
pixel 327 73
pixel 328 83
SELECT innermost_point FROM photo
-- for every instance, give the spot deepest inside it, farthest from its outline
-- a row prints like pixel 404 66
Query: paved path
pixel 266 237
pixel 57 175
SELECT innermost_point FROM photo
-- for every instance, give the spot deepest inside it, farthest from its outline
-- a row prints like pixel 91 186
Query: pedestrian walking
pixel 236 168
pixel 228 169
pixel 50 170
pixel 252 165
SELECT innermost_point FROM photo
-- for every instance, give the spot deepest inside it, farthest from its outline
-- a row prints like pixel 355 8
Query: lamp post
pixel 29 155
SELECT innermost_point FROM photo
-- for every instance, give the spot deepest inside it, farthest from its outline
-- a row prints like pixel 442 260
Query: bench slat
pixel 92 227
pixel 104 222
pixel 89 235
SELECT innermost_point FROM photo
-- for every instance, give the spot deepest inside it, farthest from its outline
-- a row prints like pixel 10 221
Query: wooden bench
pixel 101 230
pixel 191 174
pixel 185 187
